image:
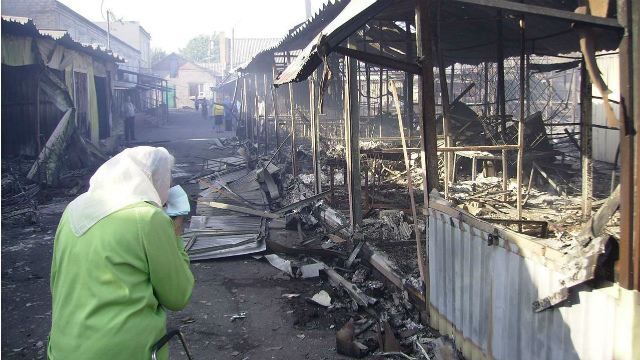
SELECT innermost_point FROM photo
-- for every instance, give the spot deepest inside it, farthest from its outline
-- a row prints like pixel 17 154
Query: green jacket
pixel 110 286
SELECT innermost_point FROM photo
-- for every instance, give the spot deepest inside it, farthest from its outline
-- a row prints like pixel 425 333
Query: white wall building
pixel 135 35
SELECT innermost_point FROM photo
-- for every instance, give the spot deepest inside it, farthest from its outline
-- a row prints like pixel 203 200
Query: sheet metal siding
pixel 605 141
pixel 486 293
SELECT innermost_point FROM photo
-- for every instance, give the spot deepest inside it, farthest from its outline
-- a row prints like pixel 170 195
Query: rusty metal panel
pixel 482 290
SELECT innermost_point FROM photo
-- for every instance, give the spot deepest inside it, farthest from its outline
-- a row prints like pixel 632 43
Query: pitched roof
pixel 17 25
pixel 173 61
pixel 298 36
pixel 245 49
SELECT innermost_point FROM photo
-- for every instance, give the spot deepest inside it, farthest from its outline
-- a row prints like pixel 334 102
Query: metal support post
pixel 428 136
pixel 274 97
pixel 294 161
pixel 352 139
pixel 521 121
pixel 315 134
pixel 501 102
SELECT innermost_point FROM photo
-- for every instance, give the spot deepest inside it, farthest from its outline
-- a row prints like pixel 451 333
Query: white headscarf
pixel 137 174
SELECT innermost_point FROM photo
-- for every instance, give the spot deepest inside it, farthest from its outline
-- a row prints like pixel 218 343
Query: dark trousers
pixel 129 128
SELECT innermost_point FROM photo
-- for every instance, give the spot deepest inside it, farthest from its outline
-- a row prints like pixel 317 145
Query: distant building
pixel 188 79
pixel 132 33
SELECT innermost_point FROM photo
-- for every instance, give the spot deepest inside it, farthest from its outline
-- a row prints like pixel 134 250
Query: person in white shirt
pixel 129 120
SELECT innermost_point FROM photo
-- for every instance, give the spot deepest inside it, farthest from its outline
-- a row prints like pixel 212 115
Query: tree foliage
pixel 197 49
pixel 157 54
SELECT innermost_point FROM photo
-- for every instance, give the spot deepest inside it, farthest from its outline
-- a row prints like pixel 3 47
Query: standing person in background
pixel 129 112
pixel 205 108
pixel 118 262
pixel 218 116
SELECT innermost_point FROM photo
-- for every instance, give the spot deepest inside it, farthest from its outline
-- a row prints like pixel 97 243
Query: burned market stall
pixel 463 153
pixel 500 119
pixel 57 113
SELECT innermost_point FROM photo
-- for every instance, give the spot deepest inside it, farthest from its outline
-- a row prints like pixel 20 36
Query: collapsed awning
pixel 297 37
pixel 468 31
pixel 350 19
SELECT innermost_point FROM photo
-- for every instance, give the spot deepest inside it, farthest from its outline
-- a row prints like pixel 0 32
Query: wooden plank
pixel 555 186
pixel 356 294
pixel 444 98
pixel 294 162
pixel 352 139
pixel 49 147
pixel 421 262
pixel 241 209
pixel 477 148
pixel 315 135
pixel 382 61
pixel 426 98
pixel 586 142
pixel 520 161
pixel 625 266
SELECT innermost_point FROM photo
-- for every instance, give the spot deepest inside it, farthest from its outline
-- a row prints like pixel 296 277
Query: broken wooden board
pixel 243 210
pixel 356 294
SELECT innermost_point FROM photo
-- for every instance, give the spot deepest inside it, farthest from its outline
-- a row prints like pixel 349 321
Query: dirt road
pixel 272 329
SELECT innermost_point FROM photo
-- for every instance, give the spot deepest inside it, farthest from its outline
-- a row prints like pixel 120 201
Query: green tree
pixel 157 54
pixel 198 50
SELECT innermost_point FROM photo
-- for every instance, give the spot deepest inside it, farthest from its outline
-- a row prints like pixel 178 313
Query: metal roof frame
pixel 467 30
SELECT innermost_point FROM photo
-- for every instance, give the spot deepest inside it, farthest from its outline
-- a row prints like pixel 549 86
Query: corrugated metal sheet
pixel 216 233
pixel 482 295
pixel 605 141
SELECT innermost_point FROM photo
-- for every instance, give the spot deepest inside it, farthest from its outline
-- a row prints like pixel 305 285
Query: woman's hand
pixel 178 224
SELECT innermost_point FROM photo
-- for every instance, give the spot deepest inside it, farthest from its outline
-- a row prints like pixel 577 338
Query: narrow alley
pixel 274 327
pixel 320 179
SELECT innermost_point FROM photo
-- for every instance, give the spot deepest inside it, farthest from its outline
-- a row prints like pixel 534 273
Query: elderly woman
pixel 117 262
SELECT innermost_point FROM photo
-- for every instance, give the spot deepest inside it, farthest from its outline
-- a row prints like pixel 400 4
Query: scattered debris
pixel 347 345
pixel 322 298
pixel 238 316
pixel 443 349
pixel 280 263
pixel 290 296
pixel 311 270
pixel 356 294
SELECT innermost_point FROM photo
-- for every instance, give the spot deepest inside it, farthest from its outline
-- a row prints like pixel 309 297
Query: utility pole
pixel 307 8
pixel 108 29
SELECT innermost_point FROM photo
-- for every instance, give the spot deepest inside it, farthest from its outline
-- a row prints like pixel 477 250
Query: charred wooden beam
pixel 444 96
pixel 315 135
pixel 522 80
pixel 426 98
pixel 294 161
pixel 427 102
pixel 586 142
pixel 407 164
pixel 379 60
pixel 629 260
pixel 274 97
pixel 352 139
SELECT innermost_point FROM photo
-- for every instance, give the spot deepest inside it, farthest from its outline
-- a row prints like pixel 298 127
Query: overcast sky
pixel 173 22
